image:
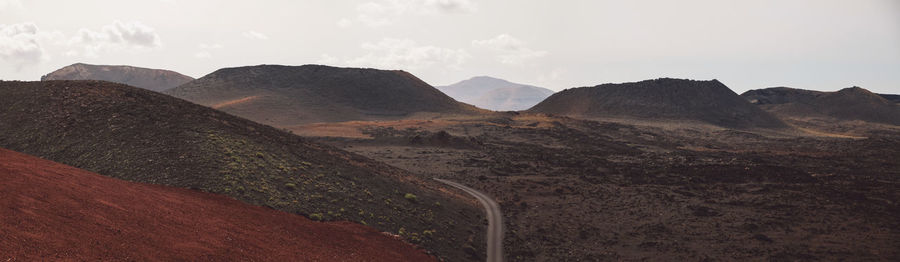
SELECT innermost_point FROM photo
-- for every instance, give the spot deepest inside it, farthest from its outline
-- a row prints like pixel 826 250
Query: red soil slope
pixel 57 212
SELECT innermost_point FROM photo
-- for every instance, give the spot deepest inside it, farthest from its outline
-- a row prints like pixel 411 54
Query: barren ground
pixel 57 212
pixel 630 190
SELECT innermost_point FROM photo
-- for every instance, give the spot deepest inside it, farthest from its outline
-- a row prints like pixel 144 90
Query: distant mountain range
pixel 660 99
pixel 496 94
pixel 152 79
pixel 852 103
pixel 292 95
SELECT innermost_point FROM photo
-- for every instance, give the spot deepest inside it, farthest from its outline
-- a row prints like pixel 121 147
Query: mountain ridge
pixel 664 98
pixel 144 136
pixel 147 78
pixel 282 96
pixel 496 94
pixel 852 103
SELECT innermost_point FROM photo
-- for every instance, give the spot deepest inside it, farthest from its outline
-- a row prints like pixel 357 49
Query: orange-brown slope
pixel 53 211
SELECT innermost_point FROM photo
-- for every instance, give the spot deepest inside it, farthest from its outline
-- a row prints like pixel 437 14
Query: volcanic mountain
pixel 57 212
pixel 139 135
pixel 852 103
pixel 496 94
pixel 284 96
pixel 152 79
pixel 660 99
pixel 890 97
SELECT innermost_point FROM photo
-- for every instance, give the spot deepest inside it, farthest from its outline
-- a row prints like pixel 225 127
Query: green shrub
pixel 410 197
pixel 316 216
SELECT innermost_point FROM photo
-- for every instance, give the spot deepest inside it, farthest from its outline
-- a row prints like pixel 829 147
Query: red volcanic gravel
pixel 50 211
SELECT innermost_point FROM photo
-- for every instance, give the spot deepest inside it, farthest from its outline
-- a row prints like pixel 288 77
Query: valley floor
pixel 628 190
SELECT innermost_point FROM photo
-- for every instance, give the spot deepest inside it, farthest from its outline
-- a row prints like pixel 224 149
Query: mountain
pixel 780 95
pixel 144 136
pixel 665 98
pixel 292 95
pixel 152 79
pixel 51 210
pixel 892 98
pixel 496 94
pixel 852 103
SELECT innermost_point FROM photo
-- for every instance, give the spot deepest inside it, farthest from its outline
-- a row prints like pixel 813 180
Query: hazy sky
pixel 814 44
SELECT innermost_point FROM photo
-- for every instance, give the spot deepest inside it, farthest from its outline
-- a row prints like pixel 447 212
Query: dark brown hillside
pixel 852 103
pixel 139 135
pixel 780 95
pixel 660 99
pixel 290 95
pixel 56 212
pixel 890 97
pixel 152 79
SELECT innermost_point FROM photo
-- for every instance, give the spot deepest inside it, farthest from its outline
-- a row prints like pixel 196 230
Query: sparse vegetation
pixel 138 135
pixel 410 197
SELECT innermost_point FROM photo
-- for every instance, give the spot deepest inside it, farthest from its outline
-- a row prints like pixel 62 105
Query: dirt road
pixel 495 221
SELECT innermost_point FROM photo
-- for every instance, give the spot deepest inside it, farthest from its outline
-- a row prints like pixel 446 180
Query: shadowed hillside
pixel 892 98
pixel 291 95
pixel 139 135
pixel 852 103
pixel 58 211
pixel 661 99
pixel 496 94
pixel 152 79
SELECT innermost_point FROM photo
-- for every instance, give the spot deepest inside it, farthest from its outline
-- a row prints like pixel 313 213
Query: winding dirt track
pixel 494 217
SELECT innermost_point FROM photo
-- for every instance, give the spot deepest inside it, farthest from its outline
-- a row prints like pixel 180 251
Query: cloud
pixel 326 59
pixel 255 35
pixel 383 12
pixel 206 50
pixel 113 37
pixel 20 44
pixel 511 50
pixel 344 23
pixel 9 5
pixel 407 54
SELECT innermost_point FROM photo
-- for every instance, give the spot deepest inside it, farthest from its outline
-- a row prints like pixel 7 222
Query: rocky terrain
pixel 151 79
pixel 496 94
pixel 662 99
pixel 285 96
pixel 847 104
pixel 587 190
pixel 143 136
pixel 56 212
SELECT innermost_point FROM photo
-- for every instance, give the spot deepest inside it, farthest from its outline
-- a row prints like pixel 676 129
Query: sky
pixel 812 44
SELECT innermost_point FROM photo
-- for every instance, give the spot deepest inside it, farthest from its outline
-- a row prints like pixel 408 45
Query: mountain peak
pixel 495 93
pixel 284 96
pixel 147 78
pixel 662 98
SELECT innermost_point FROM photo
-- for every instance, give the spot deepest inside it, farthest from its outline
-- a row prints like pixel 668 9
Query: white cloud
pixel 383 12
pixel 511 50
pixel 326 59
pixel 20 44
pixel 206 50
pixel 9 5
pixel 554 74
pixel 407 54
pixel 344 23
pixel 113 37
pixel 451 6
pixel 255 35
